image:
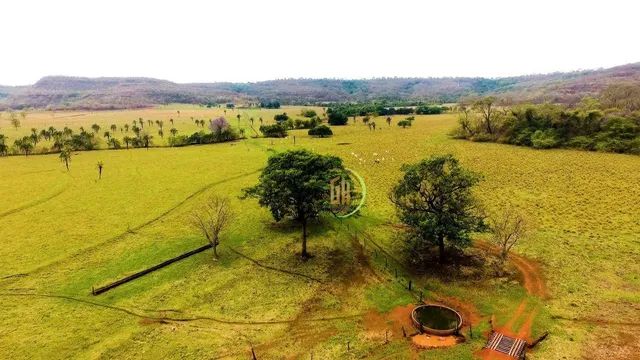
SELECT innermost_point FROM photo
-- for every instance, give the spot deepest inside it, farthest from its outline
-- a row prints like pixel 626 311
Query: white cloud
pixel 243 40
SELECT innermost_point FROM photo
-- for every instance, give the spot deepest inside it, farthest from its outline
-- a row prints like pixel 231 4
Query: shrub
pixel 306 123
pixel 337 118
pixel 544 139
pixel 179 140
pixel 281 117
pixel 321 131
pixel 309 113
pixel 582 142
pixel 276 130
pixel 404 123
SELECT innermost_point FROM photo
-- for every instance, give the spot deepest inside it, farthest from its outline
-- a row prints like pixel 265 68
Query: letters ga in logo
pixel 340 192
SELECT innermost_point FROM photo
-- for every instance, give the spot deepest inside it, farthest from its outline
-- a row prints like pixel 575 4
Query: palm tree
pixel 161 133
pixel 126 127
pixel 389 120
pixel 44 134
pixel 34 130
pixel 261 121
pixel 24 145
pixel 114 143
pixel 100 167
pixel 141 122
pixel 161 124
pixel 150 123
pixel 127 141
pixel 173 131
pixel 114 128
pixel 146 140
pixel 65 156
pixel 95 128
pixel 34 138
pixel 4 149
pixel 171 121
pixel 107 135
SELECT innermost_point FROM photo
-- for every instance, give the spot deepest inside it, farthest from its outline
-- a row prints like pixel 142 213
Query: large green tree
pixel 295 185
pixel 434 199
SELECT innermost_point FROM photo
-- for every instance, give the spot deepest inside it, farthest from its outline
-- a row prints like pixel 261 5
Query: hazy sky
pixel 243 40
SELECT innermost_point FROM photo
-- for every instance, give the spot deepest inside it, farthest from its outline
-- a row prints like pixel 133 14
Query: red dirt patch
pixel 531 275
pixel 389 325
pixel 426 341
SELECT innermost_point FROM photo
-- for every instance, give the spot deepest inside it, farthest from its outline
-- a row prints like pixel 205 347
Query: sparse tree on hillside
pixel 507 228
pixel 126 127
pixel 141 122
pixel 435 201
pixel 487 111
pixel 295 185
pixel 212 219
pixel 13 118
pixel 171 120
pixel 389 120
pixel 95 128
pixel 107 135
pixel 173 131
pixel 114 128
pixel 161 133
pixel 65 155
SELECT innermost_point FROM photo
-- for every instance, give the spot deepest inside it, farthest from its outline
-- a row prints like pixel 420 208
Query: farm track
pixel 289 272
pixel 532 278
pixel 33 203
pixel 137 314
pixel 123 235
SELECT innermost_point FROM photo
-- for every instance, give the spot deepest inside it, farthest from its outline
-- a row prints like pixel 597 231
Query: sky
pixel 244 40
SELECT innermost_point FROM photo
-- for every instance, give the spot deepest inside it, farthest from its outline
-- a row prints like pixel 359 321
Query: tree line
pixel 610 123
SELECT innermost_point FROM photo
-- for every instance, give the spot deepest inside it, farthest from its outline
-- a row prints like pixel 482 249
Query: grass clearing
pixel 65 232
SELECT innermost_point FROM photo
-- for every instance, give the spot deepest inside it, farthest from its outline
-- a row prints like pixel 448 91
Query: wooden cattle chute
pixel 100 290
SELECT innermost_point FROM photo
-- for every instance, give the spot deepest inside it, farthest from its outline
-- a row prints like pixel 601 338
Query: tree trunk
pixel 441 248
pixel 304 254
pixel 215 248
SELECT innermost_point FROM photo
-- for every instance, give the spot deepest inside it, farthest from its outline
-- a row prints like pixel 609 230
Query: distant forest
pixel 58 93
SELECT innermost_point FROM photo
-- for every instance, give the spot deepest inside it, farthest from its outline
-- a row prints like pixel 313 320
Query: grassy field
pixel 64 232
